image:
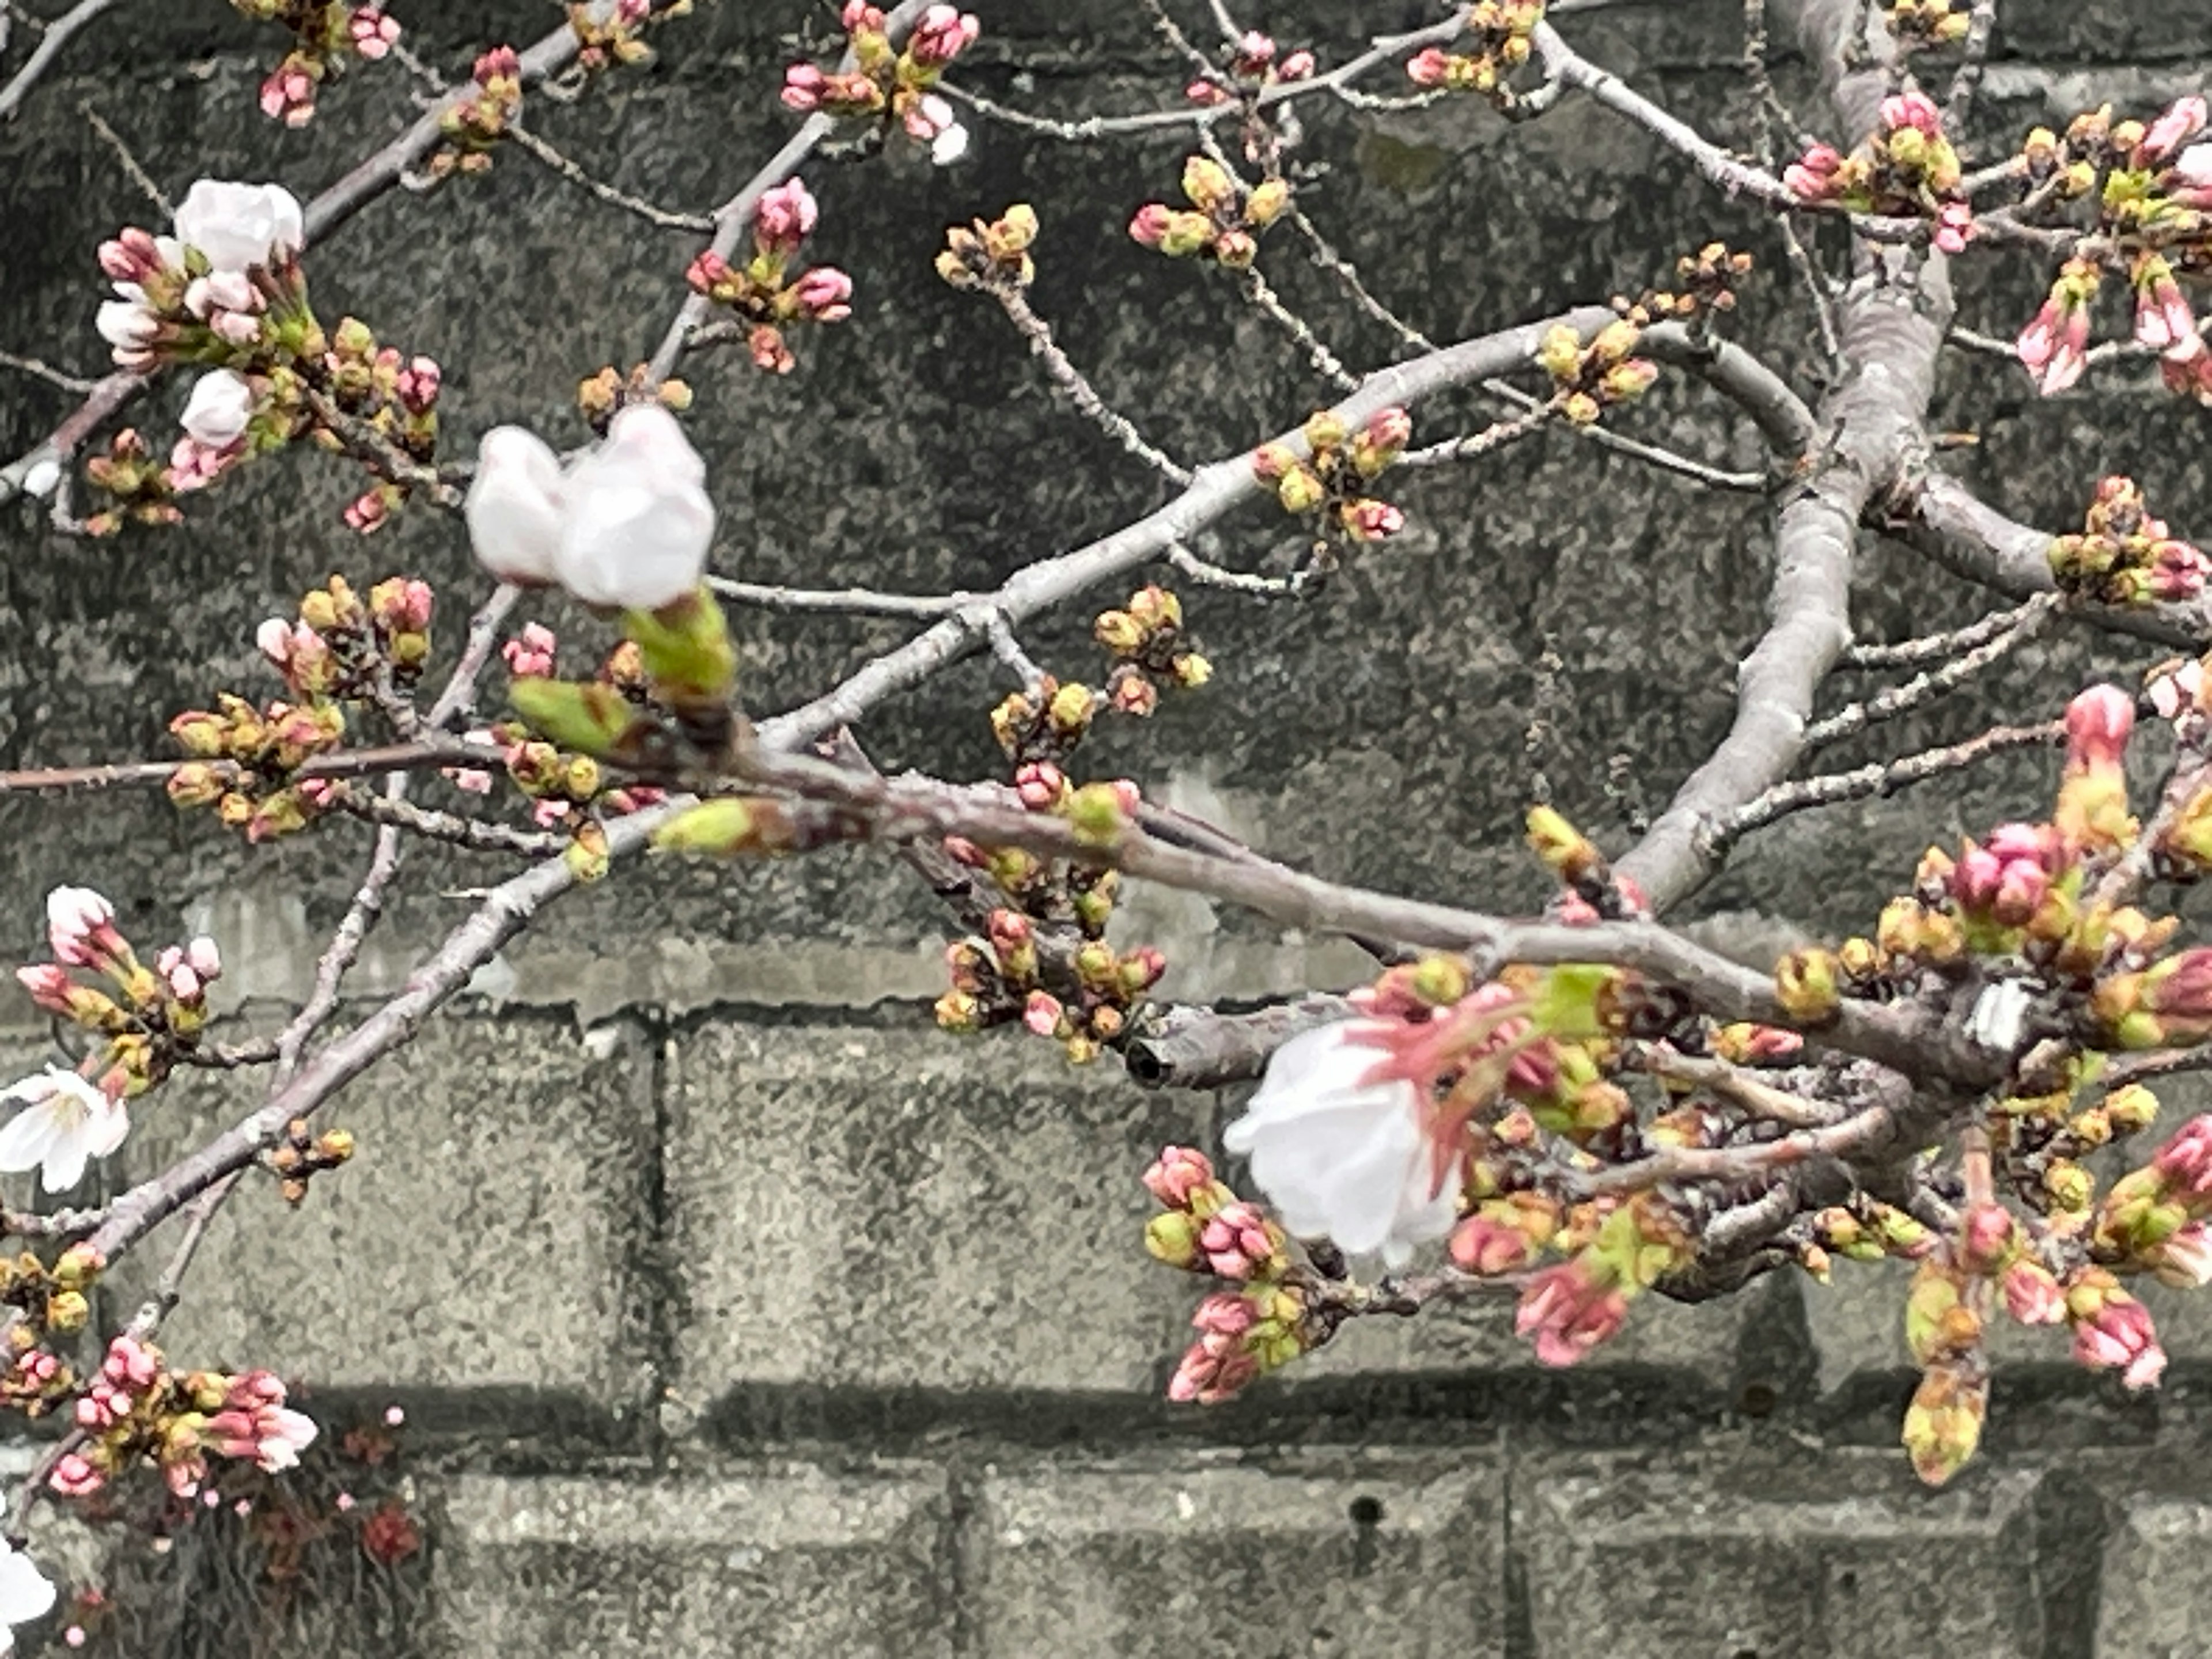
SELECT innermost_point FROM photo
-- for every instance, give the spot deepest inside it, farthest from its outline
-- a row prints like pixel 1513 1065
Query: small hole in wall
pixel 1757 1399
pixel 1365 1511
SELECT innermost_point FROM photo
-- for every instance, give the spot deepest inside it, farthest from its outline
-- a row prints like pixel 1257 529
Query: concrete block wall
pixel 738 1312
pixel 829 1335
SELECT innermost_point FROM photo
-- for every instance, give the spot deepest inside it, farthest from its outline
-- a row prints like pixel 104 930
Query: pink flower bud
pixel 826 292
pixel 499 63
pixel 417 386
pixel 1150 225
pixel 1206 94
pixel 1043 1013
pixel 1208 1375
pixel 2098 723
pixel 1986 1237
pixel 2185 1161
pixel 1235 1242
pixel 2119 1336
pixel 205 958
pixel 1040 784
pixel 1954 227
pixel 1912 109
pixel 1812 176
pixel 1569 1309
pixel 785 217
pixel 73 1477
pixel 2183 120
pixel 289 94
pixel 1298 66
pixel 941 34
pixel 1429 67
pixel 2031 1295
pixel 1175 1174
pixel 48 982
pixel 1225 1314
pixel 373 33
pixel 1372 521
pixel 803 85
pixel 1484 1245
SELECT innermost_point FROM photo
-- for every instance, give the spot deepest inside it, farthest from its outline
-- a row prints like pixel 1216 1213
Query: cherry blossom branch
pixel 849 601
pixel 476 835
pixel 1939 647
pixel 1939 516
pixel 1079 391
pixel 48 372
pixel 1882 779
pixel 1892 340
pixel 1871 1131
pixel 58 32
pixel 340 763
pixel 368 179
pixel 575 175
pixel 733 219
pixel 2032 618
pixel 1198 1048
pixel 1743 1088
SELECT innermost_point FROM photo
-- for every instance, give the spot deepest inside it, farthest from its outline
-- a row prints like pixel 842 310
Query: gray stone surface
pixel 1403 1558
pixel 2155 1601
pixel 1764 1559
pixel 792 1562
pixel 893 1208
pixel 490 1232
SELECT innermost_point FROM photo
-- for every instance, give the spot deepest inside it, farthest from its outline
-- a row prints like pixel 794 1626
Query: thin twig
pixel 47 372
pixel 1208 574
pixel 1881 779
pixel 58 33
pixel 576 175
pixel 1925 688
pixel 851 601
pixel 137 173
pixel 1940 647
pixel 1080 393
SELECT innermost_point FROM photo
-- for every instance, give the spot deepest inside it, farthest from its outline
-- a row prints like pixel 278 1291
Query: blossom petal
pixel 26 1138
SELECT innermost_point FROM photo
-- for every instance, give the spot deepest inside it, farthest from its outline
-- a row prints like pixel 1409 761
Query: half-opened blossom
pixel 2183 120
pixel 512 508
pixel 636 522
pixel 216 413
pixel 2054 348
pixel 240 225
pixel 941 34
pixel 2119 1335
pixel 2164 321
pixel 80 928
pixel 1341 1156
pixel 25 1594
pixel 65 1124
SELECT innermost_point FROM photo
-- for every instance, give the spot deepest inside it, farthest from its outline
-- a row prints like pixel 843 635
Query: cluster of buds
pixel 1587 380
pixel 147 1018
pixel 1331 483
pixel 1203 1227
pixel 343 646
pixel 1002 976
pixel 1045 961
pixel 2021 894
pixel 2151 186
pixel 1503 35
pixel 2123 555
pixel 766 300
pixel 1943 1333
pixel 225 289
pixel 1149 645
pixel 386 414
pixel 137 486
pixel 614 35
pixel 303 1152
pixel 890 84
pixel 1907 167
pixel 242 761
pixel 136 1409
pixel 2154 1220
pixel 1250 67
pixel 1569 1309
pixel 1224 219
pixel 48 1302
pixel 1924 23
pixel 605 394
pixel 991 255
pixel 1590 891
pixel 473 127
pixel 1708 279
pixel 325 34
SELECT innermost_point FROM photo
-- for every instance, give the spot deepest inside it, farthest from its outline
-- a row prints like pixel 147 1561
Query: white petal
pixel 649 433
pixel 26 1137
pixel 220 405
pixel 63 1166
pixel 949 146
pixel 109 1128
pixel 513 506
pixel 25 1592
